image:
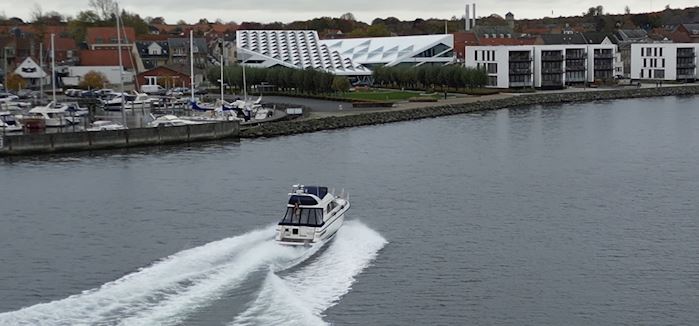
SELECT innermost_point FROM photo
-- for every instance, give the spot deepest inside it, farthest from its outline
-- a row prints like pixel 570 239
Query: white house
pixel 77 73
pixel 664 61
pixel 543 66
pixel 32 73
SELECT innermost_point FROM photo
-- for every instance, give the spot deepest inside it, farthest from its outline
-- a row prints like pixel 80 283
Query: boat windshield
pixel 295 216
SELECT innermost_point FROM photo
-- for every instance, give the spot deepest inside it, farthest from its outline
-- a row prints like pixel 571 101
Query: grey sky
pixel 364 10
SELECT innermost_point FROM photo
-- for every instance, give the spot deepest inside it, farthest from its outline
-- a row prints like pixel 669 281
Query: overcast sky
pixel 364 10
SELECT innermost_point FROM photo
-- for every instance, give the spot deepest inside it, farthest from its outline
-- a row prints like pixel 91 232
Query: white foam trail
pixel 301 297
pixel 178 306
pixel 145 289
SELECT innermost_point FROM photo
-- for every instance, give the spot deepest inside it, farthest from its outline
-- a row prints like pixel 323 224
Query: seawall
pixel 395 115
pixel 97 140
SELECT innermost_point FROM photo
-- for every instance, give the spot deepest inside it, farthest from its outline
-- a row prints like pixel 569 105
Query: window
pixel 641 73
pixel 663 66
pixel 492 68
pixel 492 80
pixel 645 63
pixel 659 74
pixel 312 217
pixel 475 55
pixel 661 52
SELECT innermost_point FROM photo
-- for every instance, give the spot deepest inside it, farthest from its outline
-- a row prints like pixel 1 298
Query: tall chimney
pixel 474 15
pixel 468 18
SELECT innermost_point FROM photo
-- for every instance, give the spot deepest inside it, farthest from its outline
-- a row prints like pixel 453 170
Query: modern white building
pixel 293 49
pixel 664 61
pixel 348 57
pixel 396 51
pixel 543 66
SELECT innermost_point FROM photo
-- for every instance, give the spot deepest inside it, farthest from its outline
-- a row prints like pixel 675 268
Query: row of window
pixel 652 52
pixel 653 63
pixel 653 73
pixel 491 68
pixel 486 55
pixel 312 217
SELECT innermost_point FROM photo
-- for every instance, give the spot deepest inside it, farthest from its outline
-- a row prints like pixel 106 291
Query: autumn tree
pixel 341 84
pixel 15 82
pixel 93 80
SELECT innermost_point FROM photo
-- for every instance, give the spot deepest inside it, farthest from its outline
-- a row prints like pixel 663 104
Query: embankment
pixel 388 116
pixel 97 140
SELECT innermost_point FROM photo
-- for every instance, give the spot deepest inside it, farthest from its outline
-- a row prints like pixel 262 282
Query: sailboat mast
pixel 245 84
pixel 221 48
pixel 41 64
pixel 53 67
pixel 121 66
pixel 191 63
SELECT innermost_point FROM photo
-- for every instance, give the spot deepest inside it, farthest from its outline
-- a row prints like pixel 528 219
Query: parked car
pixel 88 94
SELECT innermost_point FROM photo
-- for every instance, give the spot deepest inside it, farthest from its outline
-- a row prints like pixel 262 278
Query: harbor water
pixel 577 214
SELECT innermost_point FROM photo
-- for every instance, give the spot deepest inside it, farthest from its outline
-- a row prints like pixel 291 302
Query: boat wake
pixel 301 297
pixel 172 289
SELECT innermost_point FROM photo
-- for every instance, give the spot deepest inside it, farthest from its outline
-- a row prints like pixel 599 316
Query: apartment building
pixel 543 66
pixel 664 61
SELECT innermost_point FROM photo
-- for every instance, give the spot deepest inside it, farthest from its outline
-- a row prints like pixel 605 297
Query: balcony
pixel 575 68
pixel 552 57
pixel 520 71
pixel 686 76
pixel 555 70
pixel 550 83
pixel 521 84
pixel 603 67
pixel 604 55
pixel 576 55
pixel 688 65
pixel 520 58
pixel 685 53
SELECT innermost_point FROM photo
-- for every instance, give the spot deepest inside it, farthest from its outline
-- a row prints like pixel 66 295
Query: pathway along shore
pixel 415 111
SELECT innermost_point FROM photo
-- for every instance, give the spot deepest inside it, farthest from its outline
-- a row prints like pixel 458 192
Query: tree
pixel 157 20
pixel 341 84
pixel 93 80
pixel 348 16
pixel 627 10
pixel 104 8
pixel 15 82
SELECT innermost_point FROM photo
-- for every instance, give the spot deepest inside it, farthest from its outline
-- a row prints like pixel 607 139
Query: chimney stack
pixel 474 15
pixel 468 17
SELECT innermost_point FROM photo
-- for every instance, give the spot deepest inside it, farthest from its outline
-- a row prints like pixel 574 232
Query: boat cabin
pixel 307 206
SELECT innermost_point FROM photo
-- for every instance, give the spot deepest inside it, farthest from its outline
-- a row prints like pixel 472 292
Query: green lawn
pixel 384 95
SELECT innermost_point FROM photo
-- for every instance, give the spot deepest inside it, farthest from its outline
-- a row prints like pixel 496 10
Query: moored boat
pixel 312 215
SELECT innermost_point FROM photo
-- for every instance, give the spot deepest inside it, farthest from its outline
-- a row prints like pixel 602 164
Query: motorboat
pixel 102 125
pixel 312 215
pixel 8 122
pixel 171 121
pixel 54 115
pixel 138 101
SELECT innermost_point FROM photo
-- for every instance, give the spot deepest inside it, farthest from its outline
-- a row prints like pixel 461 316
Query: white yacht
pixel 171 121
pixel 8 122
pixel 138 101
pixel 54 116
pixel 105 125
pixel 312 215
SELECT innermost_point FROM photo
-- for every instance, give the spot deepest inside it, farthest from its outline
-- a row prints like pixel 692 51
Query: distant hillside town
pixel 595 47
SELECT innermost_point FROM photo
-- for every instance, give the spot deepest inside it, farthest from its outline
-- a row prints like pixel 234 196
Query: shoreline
pixel 479 104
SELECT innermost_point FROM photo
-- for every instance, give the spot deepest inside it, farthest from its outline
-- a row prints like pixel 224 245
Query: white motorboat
pixel 171 121
pixel 312 215
pixel 55 116
pixel 102 125
pixel 8 122
pixel 138 101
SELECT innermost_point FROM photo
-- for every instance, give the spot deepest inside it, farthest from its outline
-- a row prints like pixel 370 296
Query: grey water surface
pixel 576 214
